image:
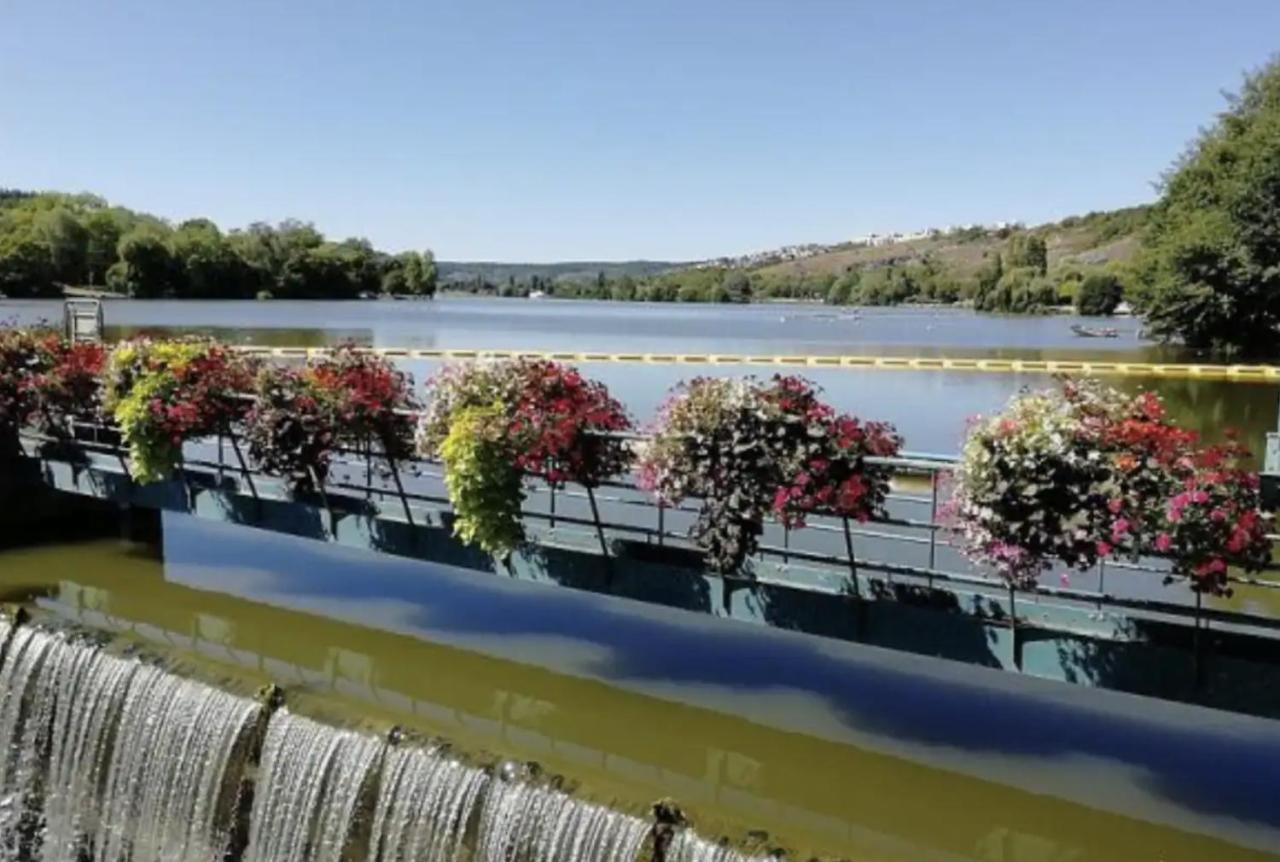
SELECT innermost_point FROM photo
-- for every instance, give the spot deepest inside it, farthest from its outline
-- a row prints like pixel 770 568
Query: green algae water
pixel 762 736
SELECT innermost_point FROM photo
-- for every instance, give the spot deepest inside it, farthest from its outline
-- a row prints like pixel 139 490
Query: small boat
pixel 1094 332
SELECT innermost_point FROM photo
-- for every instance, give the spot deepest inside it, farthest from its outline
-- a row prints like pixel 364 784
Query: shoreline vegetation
pixel 1201 265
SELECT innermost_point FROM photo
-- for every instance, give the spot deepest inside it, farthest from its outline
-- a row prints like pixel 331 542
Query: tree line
pixel 49 241
pixel 1016 280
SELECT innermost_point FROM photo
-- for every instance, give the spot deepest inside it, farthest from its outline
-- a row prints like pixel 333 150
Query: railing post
pixel 1013 627
pixel 552 519
pixel 244 471
pixel 368 467
pixel 933 525
pixel 859 606
pixel 324 499
pixel 853 563
pixel 1196 663
pixel 595 516
pixel 662 522
pixel 404 499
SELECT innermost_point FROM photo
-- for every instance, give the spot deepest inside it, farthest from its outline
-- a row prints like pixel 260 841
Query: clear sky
pixel 667 129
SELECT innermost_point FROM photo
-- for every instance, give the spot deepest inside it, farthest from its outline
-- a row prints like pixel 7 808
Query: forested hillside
pixel 50 241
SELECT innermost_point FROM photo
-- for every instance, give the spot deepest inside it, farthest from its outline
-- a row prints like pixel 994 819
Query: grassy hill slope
pixel 1091 240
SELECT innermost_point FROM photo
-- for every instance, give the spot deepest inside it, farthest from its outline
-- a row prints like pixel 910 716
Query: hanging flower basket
pixel 1083 473
pixel 750 449
pixel 493 423
pixel 164 393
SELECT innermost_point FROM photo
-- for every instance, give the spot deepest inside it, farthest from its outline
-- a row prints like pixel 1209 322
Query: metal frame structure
pixel 414 494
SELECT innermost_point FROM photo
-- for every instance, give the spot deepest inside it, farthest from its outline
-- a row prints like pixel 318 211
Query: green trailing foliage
pixel 163 393
pixel 528 417
pixel 483 482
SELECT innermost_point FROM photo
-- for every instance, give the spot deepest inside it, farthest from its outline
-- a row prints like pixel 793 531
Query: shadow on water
pixel 1206 762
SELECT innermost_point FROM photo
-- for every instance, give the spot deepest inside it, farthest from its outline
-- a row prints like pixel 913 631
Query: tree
pixel 25 267
pixel 1211 262
pixel 845 289
pixel 205 265
pixel 1027 250
pixel 430 274
pixel 67 242
pixel 1099 294
pixel 145 268
pixel 103 229
pixel 735 287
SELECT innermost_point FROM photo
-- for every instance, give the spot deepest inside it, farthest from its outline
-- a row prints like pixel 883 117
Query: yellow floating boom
pixel 900 363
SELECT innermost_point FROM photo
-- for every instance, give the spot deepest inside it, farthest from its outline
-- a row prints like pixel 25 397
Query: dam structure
pixel 136 728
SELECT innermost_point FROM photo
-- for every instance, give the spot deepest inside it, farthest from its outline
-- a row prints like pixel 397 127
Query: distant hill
pixel 1087 241
pixel 453 271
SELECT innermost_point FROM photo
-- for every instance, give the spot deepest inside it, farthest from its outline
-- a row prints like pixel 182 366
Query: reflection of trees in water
pixel 1214 406
pixel 271 337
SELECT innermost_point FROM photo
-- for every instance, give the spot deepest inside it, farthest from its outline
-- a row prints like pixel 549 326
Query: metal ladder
pixel 82 320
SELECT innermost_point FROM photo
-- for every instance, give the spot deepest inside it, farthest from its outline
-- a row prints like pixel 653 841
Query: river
pixel 929 408
pixel 752 729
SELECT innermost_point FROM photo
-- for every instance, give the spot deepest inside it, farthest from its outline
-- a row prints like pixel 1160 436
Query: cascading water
pixel 539 824
pixel 308 789
pixel 109 758
pixel 170 788
pixel 688 847
pixel 114 759
pixel 425 802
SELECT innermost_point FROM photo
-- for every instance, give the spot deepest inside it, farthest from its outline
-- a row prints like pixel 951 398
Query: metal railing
pixel 831 545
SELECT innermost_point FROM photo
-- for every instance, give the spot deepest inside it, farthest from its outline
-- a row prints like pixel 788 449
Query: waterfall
pixel 26 706
pixel 170 788
pixel 688 847
pixel 425 802
pixel 309 785
pixel 112 758
pixel 539 824
pixel 119 760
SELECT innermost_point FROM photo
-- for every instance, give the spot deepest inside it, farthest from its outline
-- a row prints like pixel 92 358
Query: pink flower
pixel 1104 549
pixel 1119 528
pixel 1163 542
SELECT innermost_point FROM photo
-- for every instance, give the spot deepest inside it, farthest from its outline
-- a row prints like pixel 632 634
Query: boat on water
pixel 1095 332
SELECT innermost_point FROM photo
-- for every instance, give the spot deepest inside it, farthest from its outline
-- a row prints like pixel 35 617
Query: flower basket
pixel 163 393
pixel 1084 472
pixel 492 424
pixel 750 449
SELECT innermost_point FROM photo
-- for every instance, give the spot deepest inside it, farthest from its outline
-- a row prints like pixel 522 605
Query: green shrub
pixel 1100 294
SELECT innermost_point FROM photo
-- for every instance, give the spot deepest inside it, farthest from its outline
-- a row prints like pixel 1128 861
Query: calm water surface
pixel 930 408
pixel 830 747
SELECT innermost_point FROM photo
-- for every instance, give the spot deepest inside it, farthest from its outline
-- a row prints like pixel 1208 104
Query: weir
pixel 108 756
pixel 299 783
pixel 896 583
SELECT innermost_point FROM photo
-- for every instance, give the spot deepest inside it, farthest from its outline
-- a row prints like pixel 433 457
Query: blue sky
pixel 543 130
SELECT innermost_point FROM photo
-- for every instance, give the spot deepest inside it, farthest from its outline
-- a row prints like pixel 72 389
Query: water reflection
pixel 835 748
